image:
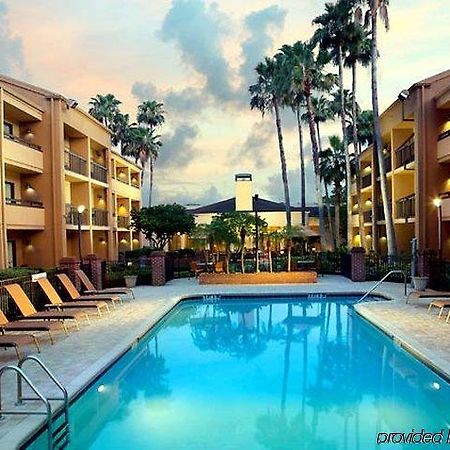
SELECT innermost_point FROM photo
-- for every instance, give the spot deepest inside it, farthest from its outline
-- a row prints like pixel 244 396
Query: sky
pixel 198 58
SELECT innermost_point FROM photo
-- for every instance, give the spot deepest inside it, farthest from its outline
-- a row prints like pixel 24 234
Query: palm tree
pixel 332 170
pixel 151 115
pixel 307 75
pixel 143 144
pixel 358 52
pixel 104 108
pixel 380 7
pixel 333 35
pixel 267 96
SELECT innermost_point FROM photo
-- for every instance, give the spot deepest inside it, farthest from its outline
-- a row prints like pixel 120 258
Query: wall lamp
pixel 402 96
pixel 72 103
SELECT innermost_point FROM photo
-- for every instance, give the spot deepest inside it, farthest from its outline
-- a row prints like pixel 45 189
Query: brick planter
pixel 258 278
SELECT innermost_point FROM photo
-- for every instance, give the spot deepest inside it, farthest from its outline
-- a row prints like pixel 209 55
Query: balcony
pixel 75 163
pixel 135 182
pixel 20 153
pixel 367 216
pixel 72 216
pixel 387 163
pixel 100 217
pixel 380 212
pixel 406 207
pixel 123 189
pixel 99 172
pixel 24 215
pixel 443 147
pixel 123 221
pixel 366 181
pixel 405 153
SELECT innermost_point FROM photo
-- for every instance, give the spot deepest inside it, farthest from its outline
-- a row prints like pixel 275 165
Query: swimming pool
pixel 270 373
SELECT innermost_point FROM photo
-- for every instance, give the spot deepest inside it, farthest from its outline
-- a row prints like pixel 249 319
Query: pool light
pixel 435 385
pixel 101 388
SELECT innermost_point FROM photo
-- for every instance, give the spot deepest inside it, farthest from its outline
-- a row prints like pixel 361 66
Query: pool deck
pixel 78 358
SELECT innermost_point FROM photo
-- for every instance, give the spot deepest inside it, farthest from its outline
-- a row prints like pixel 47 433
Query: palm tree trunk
pixel 315 155
pixel 283 165
pixel 362 232
pixel 348 176
pixel 302 167
pixel 337 213
pixel 330 223
pixel 378 143
pixel 150 182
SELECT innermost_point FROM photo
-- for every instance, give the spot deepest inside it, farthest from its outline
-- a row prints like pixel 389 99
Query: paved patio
pixel 76 359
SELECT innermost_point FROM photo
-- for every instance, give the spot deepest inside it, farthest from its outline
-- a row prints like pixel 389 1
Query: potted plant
pixel 130 275
pixel 420 283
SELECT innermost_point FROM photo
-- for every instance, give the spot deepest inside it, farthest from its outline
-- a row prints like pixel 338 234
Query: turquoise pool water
pixel 250 374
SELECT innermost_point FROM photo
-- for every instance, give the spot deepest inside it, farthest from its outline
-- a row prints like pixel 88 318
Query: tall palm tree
pixel 375 7
pixel 267 96
pixel 308 75
pixel 332 35
pixel 143 144
pixel 332 170
pixel 150 115
pixel 104 108
pixel 358 52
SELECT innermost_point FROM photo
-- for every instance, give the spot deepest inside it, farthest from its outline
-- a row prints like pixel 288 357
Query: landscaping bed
pixel 258 278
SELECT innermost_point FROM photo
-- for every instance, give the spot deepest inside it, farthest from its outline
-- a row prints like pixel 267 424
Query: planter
pixel 130 281
pixel 258 278
pixel 420 283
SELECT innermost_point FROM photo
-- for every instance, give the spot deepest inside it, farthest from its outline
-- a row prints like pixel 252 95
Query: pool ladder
pixel 405 280
pixel 57 436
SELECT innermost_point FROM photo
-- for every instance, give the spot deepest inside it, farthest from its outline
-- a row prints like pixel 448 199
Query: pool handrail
pixel 405 279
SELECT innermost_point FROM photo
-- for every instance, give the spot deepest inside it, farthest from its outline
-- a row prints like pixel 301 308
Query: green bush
pixel 17 272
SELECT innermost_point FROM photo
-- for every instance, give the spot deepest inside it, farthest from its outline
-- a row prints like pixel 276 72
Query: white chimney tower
pixel 244 188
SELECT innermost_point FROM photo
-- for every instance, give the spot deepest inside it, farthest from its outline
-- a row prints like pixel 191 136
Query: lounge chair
pixel 16 340
pixel 56 302
pixel 75 295
pixel 29 312
pixel 90 288
pixel 29 325
pixel 440 304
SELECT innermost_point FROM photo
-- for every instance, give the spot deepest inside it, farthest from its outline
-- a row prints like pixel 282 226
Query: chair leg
pixel 52 341
pixel 36 342
pixel 18 353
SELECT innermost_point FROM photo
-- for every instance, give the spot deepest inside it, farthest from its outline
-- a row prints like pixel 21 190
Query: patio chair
pixel 17 340
pixel 90 288
pixel 219 267
pixel 29 312
pixel 56 301
pixel 441 304
pixel 75 295
pixel 196 270
pixel 29 325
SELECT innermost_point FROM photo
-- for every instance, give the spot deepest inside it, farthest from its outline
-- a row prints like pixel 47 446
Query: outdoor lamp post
pixel 438 203
pixel 80 211
pixel 255 207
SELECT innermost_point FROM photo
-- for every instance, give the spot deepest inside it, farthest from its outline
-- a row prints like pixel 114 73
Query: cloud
pixel 178 149
pixel 197 30
pixel 260 24
pixel 253 151
pixel 183 197
pixel 144 91
pixel 12 61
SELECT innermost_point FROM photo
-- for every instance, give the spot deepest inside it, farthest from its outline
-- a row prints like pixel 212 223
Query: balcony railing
pixel 100 217
pixel 99 172
pixel 366 180
pixel 380 212
pixel 405 153
pixel 367 216
pixel 19 140
pixel 75 163
pixel 20 202
pixel 406 207
pixel 444 135
pixel 72 216
pixel 123 221
pixel 388 163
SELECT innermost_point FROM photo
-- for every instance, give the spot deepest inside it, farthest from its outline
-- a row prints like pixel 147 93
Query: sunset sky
pixel 197 57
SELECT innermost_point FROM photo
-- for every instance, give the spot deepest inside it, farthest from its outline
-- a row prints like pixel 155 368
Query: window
pixel 8 128
pixel 9 190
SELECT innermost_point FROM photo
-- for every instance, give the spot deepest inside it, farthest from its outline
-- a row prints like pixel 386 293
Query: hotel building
pixel 56 159
pixel 416 145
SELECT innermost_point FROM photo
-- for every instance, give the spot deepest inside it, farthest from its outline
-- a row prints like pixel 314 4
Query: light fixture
pixel 29 135
pixel 101 388
pixel 72 103
pixel 81 209
pixel 435 385
pixel 102 241
pixel 402 96
pixel 100 196
pixel 28 187
pixel 437 202
pixel 123 241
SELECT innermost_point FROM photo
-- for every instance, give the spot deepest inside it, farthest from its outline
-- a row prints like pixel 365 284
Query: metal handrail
pixel 405 278
pixel 48 409
pixel 65 397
